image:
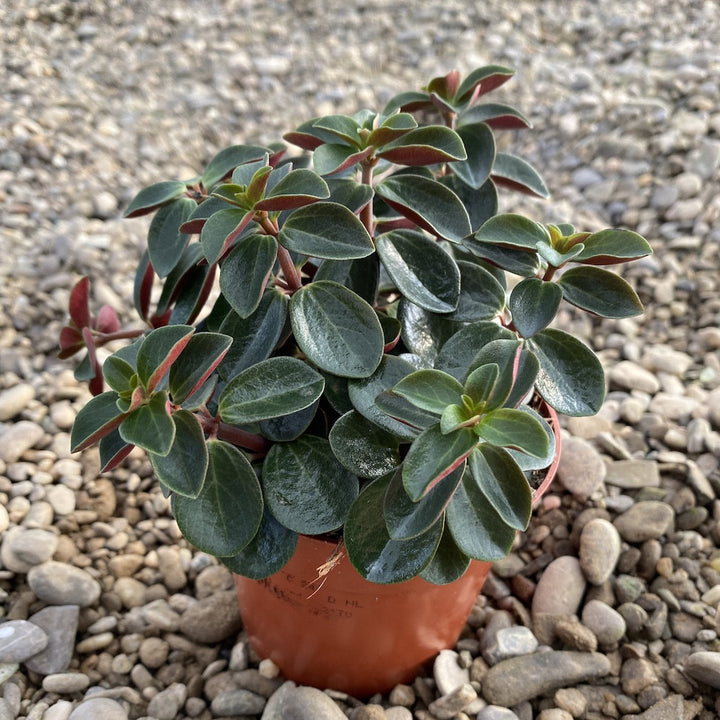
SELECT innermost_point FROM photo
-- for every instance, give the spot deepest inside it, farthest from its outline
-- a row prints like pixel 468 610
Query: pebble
pixel 61 584
pixel 60 623
pixel 16 440
pixel 212 619
pixel 606 623
pixel 561 587
pixel 449 705
pixel 238 702
pixel 449 674
pixel 66 683
pixel 645 520
pixel 599 550
pixel 705 667
pixel 96 708
pixel 509 642
pixel 301 703
pixel 20 640
pixel 23 548
pixel 14 400
pixel 633 474
pixel 518 679
pixel 61 499
pixel 167 703
pixel 581 470
pixel 494 712
pixel 153 652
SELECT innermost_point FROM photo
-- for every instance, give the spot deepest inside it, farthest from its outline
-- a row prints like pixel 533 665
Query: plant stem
pixel 366 214
pixel 216 428
pixel 119 335
pixel 292 276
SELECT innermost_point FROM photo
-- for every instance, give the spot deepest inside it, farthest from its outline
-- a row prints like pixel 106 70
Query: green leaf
pixel 504 354
pixel 513 231
pixel 361 275
pixel 179 277
pixel 448 564
pixel 428 203
pixel 571 378
pixel 362 447
pixel 503 483
pixel 194 224
pixel 298 188
pixel 533 305
pixel 154 196
pixel 528 462
pixel 391 129
pixel 150 426
pixel 288 427
pixel 480 204
pixel 407 519
pixel 480 148
pixel 398 408
pixel 426 145
pixel 158 352
pixel 489 77
pixel 336 329
pixel 227 513
pixel 228 159
pixel 431 390
pixel 183 469
pixel 113 450
pixel 370 549
pixel 97 418
pixel 245 272
pixel 326 230
pixel 333 158
pixel 476 527
pixel 482 297
pixel 363 392
pixel 482 382
pixel 453 417
pixel 517 262
pixel 193 291
pixel 600 292
pixel 507 427
pixel 341 126
pixel 610 246
pixel 165 242
pixel 254 337
pixel 193 367
pixel 118 373
pixel 267 553
pixel 306 488
pixel 409 101
pixel 424 332
pixel 457 354
pixel 351 194
pixel 432 456
pixel 421 269
pixel 517 174
pixel 496 115
pixel 272 388
pixel 221 229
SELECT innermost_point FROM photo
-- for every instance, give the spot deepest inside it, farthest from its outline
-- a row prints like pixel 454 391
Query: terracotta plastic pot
pixel 337 630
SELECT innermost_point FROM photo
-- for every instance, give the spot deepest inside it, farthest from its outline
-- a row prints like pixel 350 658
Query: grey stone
pixel 60 623
pixel 238 702
pixel 301 703
pixel 522 678
pixel 606 623
pixel 23 548
pixel 705 667
pixel 20 640
pixel 599 550
pixel 494 712
pixel 66 683
pixel 448 672
pixel 670 708
pixel 14 400
pixel 633 474
pixel 448 706
pixel 581 469
pixel 560 588
pixel 58 583
pixel 96 708
pixel 509 642
pixel 631 376
pixel 18 438
pixel 645 520
pixel 167 703
pixel 212 619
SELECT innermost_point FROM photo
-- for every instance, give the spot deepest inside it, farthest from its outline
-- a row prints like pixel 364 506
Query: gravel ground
pixel 608 607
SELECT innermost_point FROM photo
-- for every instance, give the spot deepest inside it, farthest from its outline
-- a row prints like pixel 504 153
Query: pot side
pixel 337 630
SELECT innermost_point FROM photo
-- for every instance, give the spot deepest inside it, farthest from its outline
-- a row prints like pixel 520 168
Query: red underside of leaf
pixel 117 458
pixel 107 320
pixel 164 367
pixel 79 306
pixel 303 140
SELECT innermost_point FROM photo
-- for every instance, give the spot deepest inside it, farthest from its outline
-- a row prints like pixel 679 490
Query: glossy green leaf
pixel 610 246
pixel 529 462
pixel 496 115
pixel 482 297
pixel 326 230
pixel 448 564
pixel 391 129
pixel 341 126
pixel 150 426
pixel 457 354
pixel 272 388
pixel 406 519
pixel 245 272
pixel 351 194
pixel 118 373
pixel 332 158
pixel 362 447
pixel 194 290
pixel 221 229
pixel 97 418
pixel 421 269
pixel 306 488
pixel 288 427
pixel 476 527
pixel 154 196
pixel 298 188
pixel 363 393
pixel 600 292
pixel 526 372
pixel 432 456
pixel 183 469
pixel 165 242
pixel 431 390
pixel 426 145
pixel 227 513
pixel 336 329
pixel 571 378
pixel 228 159
pixel 409 101
pixel 557 259
pixel 267 553
pixel 480 204
pixel 398 408
pixel 361 275
pixel 201 356
pixel 391 330
pixel 507 427
pixel 424 332
pixel 112 450
pixel 254 337
pixel 179 277
pixel 533 305
pixel 480 148
pixel 489 77
pixel 518 262
pixel 370 549
pixel 504 354
pixel 514 231
pixel 518 174
pixel 194 224
pixel 481 383
pixel 158 352
pixel 428 203
pixel 454 417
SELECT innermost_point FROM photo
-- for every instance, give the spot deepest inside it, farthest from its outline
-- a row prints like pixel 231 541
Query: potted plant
pixel 332 356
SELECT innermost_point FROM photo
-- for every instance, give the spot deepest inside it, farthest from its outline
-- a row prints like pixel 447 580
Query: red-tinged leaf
pixel 98 418
pixel 303 140
pixel 142 292
pixel 425 146
pixel 488 77
pixel 70 342
pixel 408 102
pixel 391 129
pixel 158 352
pixel 113 450
pixel 79 306
pixel 515 173
pixel 153 196
pixel 107 320
pixel 297 189
pixel 497 115
pixel 193 367
pixel 611 246
pixel 332 158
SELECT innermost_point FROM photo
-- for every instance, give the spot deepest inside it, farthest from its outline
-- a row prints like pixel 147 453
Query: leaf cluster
pixel 334 347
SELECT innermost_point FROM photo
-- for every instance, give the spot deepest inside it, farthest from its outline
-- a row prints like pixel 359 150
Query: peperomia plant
pixel 333 347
